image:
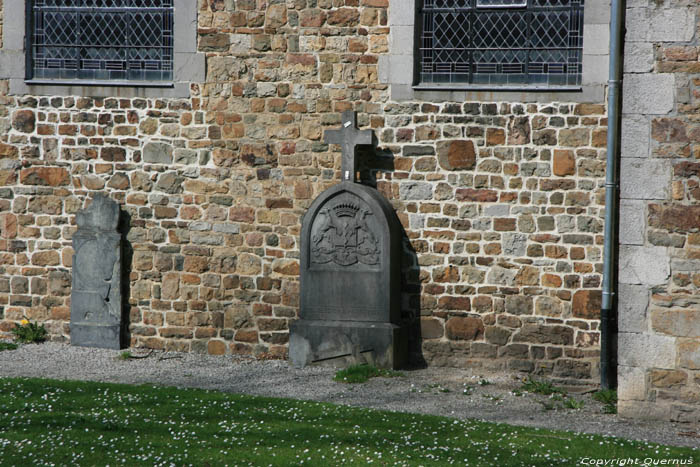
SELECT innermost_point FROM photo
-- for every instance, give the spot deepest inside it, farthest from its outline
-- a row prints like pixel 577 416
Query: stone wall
pixel 501 202
pixel 659 272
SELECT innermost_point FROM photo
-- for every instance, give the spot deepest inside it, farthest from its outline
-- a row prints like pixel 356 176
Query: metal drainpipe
pixel 608 371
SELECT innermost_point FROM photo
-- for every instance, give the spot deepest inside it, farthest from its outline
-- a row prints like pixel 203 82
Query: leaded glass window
pixel 102 40
pixel 501 42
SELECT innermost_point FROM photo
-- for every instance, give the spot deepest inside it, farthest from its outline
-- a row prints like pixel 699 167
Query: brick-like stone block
pixel 464 328
pixel 543 334
pixel 46 176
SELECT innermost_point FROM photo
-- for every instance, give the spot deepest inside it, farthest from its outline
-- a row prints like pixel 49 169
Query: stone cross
pixel 349 137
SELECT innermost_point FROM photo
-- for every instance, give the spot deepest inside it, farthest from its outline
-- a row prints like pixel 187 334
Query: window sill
pixel 497 88
pixel 78 82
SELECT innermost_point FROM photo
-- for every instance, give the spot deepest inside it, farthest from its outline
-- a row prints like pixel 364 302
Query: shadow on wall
pixel 123 228
pixel 371 161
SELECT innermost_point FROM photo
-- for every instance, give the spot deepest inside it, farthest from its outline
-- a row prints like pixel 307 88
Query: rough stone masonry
pixel 500 200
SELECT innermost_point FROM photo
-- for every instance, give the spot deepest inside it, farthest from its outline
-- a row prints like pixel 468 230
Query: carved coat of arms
pixel 343 237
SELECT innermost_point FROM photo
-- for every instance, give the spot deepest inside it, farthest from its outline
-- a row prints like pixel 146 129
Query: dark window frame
pixel 110 52
pixel 454 48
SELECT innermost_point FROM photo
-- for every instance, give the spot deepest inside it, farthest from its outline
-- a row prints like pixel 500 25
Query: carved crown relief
pixel 343 236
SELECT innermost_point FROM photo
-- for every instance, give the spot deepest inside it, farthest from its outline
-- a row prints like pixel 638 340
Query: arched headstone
pixel 350 273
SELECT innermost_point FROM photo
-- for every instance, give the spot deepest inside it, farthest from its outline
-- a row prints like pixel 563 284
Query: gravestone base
pixel 343 343
pixel 103 336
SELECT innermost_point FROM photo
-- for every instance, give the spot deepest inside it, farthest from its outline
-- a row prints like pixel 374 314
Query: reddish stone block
pixel 674 218
pixel 45 176
pixel 563 163
pixel 464 328
pixel 344 17
pixel 471 194
pixel 586 304
pixel 495 137
pixel 504 224
pixel 454 303
pixel 456 155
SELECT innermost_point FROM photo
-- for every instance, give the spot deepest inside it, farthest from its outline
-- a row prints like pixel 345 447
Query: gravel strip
pixel 437 391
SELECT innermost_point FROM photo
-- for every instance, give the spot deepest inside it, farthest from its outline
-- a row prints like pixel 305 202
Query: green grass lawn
pixel 47 422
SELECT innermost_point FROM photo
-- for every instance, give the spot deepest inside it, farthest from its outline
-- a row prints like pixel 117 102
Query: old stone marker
pixel 350 271
pixel 96 299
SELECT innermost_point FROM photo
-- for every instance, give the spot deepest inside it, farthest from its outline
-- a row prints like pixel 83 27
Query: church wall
pixel 501 201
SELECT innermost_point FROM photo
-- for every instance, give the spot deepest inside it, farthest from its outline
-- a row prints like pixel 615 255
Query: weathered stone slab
pixel 96 298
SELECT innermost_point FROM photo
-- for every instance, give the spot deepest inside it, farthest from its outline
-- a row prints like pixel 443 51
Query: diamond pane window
pixel 122 40
pixel 501 42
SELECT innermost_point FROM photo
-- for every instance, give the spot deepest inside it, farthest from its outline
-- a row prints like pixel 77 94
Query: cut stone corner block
pixel 344 343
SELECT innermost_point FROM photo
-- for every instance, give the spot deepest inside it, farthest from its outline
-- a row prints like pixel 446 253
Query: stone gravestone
pixel 96 299
pixel 350 271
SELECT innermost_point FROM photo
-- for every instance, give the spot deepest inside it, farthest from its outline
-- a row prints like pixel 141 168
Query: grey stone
pixel 14 25
pixel 185 156
pixel 240 43
pixel 416 191
pixel 632 304
pixel 595 69
pixel 514 244
pixel 670 24
pixel 632 222
pixel 189 67
pixel 648 265
pixel 404 16
pixel 631 383
pixel 596 38
pixel 497 210
pixel 501 276
pixel 646 350
pixel 185 23
pixel 227 228
pixel 656 174
pixel 96 295
pixel 648 93
pixel 12 63
pixel 158 153
pixel 636 24
pixel 636 132
pixel 639 57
